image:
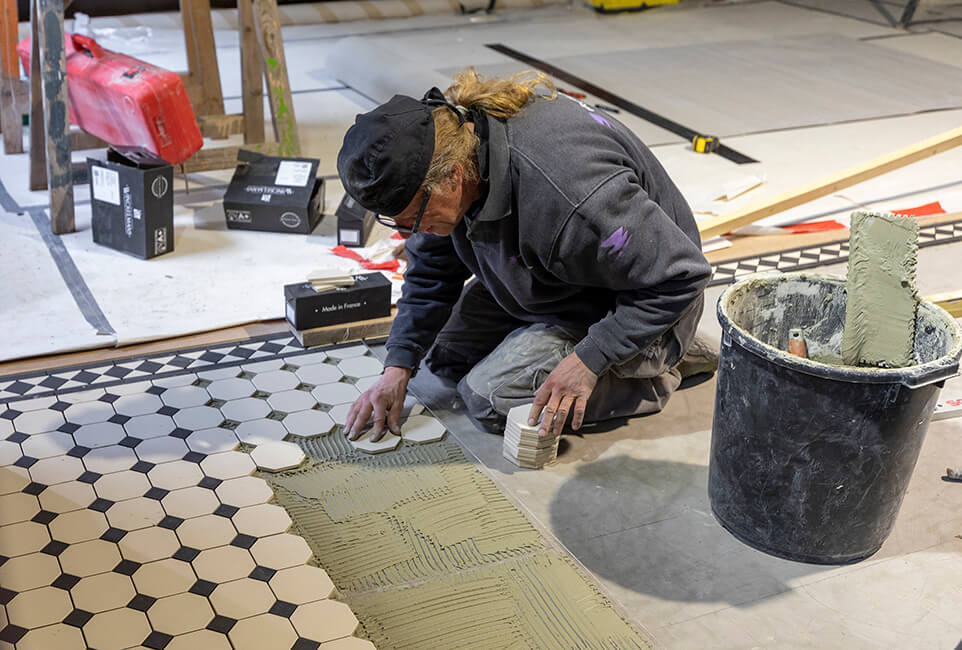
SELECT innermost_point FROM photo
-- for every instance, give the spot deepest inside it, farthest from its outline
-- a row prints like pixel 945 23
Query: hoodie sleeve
pixel 621 240
pixel 433 282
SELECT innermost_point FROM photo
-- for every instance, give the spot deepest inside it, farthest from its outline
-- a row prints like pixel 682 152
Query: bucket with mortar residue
pixel 810 459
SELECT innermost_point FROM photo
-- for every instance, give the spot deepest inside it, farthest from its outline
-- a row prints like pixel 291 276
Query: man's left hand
pixel 566 389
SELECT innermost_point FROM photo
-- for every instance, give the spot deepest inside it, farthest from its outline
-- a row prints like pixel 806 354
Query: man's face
pixel 442 212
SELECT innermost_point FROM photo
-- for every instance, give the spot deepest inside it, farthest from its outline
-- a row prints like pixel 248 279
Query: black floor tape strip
pixel 639 111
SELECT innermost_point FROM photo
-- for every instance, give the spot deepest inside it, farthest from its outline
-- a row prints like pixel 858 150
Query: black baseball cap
pixel 386 154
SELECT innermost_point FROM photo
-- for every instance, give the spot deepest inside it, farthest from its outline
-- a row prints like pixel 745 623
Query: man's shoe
pixel 702 357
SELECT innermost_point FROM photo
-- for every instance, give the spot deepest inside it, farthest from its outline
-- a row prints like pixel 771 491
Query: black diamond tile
pixel 85 376
pixel 186 554
pixel 151 367
pixel 78 618
pixel 221 624
pixel 305 644
pixel 141 603
pixel 214 403
pixel 156 493
pixel 25 461
pixel 142 466
pixel 109 398
pixel 180 432
pixel 119 419
pixel 180 362
pixel 53 382
pixel 211 356
pixel 194 457
pixel 60 406
pixel 126 567
pixel 170 522
pixel 157 640
pixel 167 410
pixel 6 595
pixel 68 427
pixel 203 588
pixel 153 390
pixel 283 608
pixel 44 517
pixel 65 581
pixel 119 372
pixel 243 353
pixel 130 441
pixel 224 510
pixel 3 559
pixel 12 633
pixel 113 535
pixel 209 482
pixel 34 488
pixel 101 505
pixel 54 548
pixel 19 387
pixel 79 451
pixel 243 541
pixel 271 347
pixel 10 414
pixel 262 573
pixel 89 477
pixel 17 437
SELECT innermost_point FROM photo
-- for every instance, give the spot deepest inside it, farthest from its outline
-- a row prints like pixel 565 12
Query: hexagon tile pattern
pixel 132 516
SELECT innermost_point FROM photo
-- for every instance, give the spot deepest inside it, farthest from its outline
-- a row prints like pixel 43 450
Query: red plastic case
pixel 138 108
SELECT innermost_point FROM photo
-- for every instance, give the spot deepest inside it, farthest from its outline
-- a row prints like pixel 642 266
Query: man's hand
pixel 569 385
pixel 384 400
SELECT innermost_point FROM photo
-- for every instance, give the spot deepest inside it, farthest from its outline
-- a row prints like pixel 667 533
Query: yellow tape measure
pixel 704 143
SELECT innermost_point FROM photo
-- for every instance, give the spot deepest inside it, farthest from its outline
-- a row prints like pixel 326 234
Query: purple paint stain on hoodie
pixel 600 119
pixel 513 259
pixel 617 242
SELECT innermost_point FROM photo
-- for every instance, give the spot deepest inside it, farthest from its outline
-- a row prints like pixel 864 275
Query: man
pixel 586 269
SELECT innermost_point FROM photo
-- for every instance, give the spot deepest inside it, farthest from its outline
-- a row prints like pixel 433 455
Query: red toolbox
pixel 139 109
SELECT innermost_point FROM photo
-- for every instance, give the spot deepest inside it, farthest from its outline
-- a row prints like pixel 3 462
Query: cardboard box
pixel 354 223
pixel 274 194
pixel 370 297
pixel 132 205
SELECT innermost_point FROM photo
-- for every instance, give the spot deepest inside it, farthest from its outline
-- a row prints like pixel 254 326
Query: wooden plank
pixel 950 301
pixel 252 75
pixel 11 119
pixel 38 141
pixel 53 63
pixel 225 157
pixel 830 184
pixel 267 22
pixel 220 127
pixel 202 56
pixel 345 332
pixel 80 140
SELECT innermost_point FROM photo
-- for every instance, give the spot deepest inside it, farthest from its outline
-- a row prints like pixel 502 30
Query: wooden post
pixel 208 98
pixel 38 141
pixel 267 21
pixel 11 121
pixel 252 74
pixel 53 64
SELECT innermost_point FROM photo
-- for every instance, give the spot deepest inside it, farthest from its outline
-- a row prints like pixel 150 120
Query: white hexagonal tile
pixel 308 359
pixel 336 393
pixel 58 469
pixel 422 429
pixel 230 464
pixel 77 397
pixel 321 373
pixel 164 578
pixel 67 496
pixel 308 423
pixel 261 520
pixel 212 441
pixel 180 614
pixel 100 434
pixel 360 367
pixel 244 491
pixel 289 401
pixel 175 475
pixel 134 514
pixel 190 502
pixel 114 458
pixel 39 607
pixel 52 637
pixel 302 584
pixel 276 381
pixel 150 426
pixel 17 507
pixel 41 421
pixel 242 598
pixel 347 352
pixel 121 485
pixel 228 389
pixel 364 383
pixel 223 564
pixel 257 432
pixel 247 408
pixel 90 558
pixel 339 413
pixel 281 551
pixel 13 479
pixel 176 381
pixel 103 592
pixel 198 417
pixel 116 629
pixel 149 544
pixel 388 442
pixel 78 526
pixel 262 631
pixel 6 427
pixel 88 412
pixel 133 388
pixel 263 366
pixel 183 397
pixel 142 404
pixel 218 374
pixel 277 456
pixel 324 620
pixel 35 404
pixel 208 531
pixel 29 571
pixel 161 450
pixel 45 445
pixel 10 452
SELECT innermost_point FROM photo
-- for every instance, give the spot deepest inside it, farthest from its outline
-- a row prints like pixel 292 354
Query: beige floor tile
pixel 39 607
pixel 148 544
pixel 35 404
pixel 264 631
pixel 90 395
pixel 335 393
pixel 89 412
pixel 308 423
pixel 58 469
pixel 230 464
pixel 116 629
pixel 175 475
pixel 207 531
pixel 138 404
pixel 242 598
pixel 190 502
pixel 262 520
pixel 102 592
pixel 29 571
pixel 276 381
pixel 212 441
pixel 348 643
pixel 65 497
pixel 324 620
pixel 422 429
pixel 281 551
pixel 161 450
pixel 198 417
pixel 346 352
pixel 246 409
pixel 262 367
pixel 114 458
pixel 121 485
pixel 223 564
pixel 232 388
pixel 17 507
pixel 301 584
pixel 183 397
pixel 134 514
pixel 244 491
pixel 46 445
pixel 150 426
pixel 388 442
pixel 175 381
pixel 290 401
pixel 164 578
pixel 90 558
pixel 13 479
pixel 320 373
pixel 277 456
pixel 78 526
pixel 22 538
pixel 100 434
pixel 180 613
pixel 360 367
pixel 43 421
pixel 133 388
pixel 200 640
pixel 257 432
pixel 52 637
pixel 10 452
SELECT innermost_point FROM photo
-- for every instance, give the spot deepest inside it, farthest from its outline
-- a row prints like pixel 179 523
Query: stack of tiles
pixel 522 446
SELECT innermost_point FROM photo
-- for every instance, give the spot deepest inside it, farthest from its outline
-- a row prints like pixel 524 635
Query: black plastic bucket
pixel 810 460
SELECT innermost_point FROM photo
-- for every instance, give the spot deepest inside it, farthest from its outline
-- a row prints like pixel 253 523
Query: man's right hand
pixel 384 401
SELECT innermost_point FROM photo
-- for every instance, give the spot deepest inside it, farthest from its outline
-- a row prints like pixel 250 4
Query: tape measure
pixel 704 143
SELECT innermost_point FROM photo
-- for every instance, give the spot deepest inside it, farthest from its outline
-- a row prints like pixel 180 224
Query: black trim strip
pixel 639 111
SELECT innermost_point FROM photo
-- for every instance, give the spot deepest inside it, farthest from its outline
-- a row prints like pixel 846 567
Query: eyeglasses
pixel 390 222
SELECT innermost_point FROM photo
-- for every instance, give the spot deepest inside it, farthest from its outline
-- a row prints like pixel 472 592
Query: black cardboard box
pixel 354 223
pixel 370 297
pixel 132 205
pixel 274 194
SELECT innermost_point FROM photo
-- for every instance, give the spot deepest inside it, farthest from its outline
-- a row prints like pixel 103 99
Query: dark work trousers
pixel 500 362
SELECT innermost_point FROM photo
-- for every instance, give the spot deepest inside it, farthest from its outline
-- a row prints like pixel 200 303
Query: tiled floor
pixel 133 516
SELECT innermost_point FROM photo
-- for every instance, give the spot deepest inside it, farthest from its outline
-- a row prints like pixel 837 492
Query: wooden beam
pixel 208 159
pixel 252 74
pixel 345 332
pixel 202 57
pixel 267 22
pixel 38 141
pixel 221 127
pixel 950 301
pixel 830 184
pixel 11 119
pixel 80 140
